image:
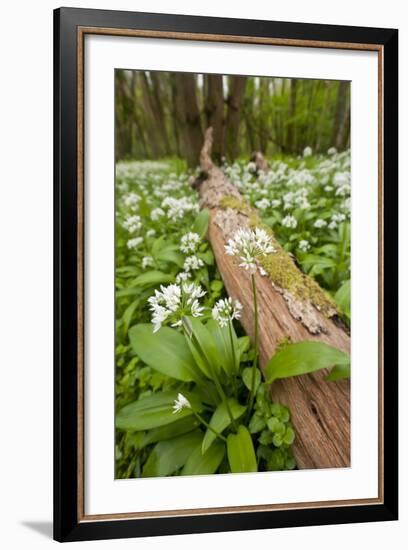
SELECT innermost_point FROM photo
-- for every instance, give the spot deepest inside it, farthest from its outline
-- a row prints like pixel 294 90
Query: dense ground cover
pixel 161 246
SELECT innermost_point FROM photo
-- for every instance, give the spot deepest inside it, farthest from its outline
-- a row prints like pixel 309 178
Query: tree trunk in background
pixel 263 115
pixel 157 102
pixel 214 111
pixel 189 113
pixel 152 129
pixel 320 409
pixel 290 136
pixel 176 123
pixel 235 96
pixel 340 117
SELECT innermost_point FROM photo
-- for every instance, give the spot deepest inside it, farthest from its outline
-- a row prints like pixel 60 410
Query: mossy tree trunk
pixel 291 305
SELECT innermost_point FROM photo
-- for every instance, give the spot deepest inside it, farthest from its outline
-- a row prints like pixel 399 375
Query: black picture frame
pixel 67 523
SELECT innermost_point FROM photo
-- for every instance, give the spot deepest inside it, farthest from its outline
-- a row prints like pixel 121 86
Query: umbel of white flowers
pixel 249 245
pixel 225 311
pixel 173 302
pixel 181 403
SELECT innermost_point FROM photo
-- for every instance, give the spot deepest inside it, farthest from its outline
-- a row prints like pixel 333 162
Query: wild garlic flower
pixel 132 223
pixel 225 311
pixel 289 221
pixel 182 276
pixel 275 203
pixel 132 244
pixel 147 261
pixel 192 263
pixel 262 204
pixel 177 208
pixel 181 403
pixel 319 223
pixel 332 151
pixel 156 213
pixel 151 233
pixel 249 245
pixel 131 200
pixel 304 245
pixel 189 242
pixel 307 152
pixel 173 302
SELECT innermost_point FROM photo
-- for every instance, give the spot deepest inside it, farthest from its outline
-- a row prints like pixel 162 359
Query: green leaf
pixel 153 278
pixel 241 453
pixel 289 436
pixel 339 372
pixel 247 377
pixel 179 427
pixel 203 347
pixel 221 420
pixel 243 344
pixel 226 350
pixel 150 412
pixel 128 314
pixel 166 351
pixel 171 254
pixel 208 463
pixel 342 298
pixel 256 424
pixel 303 358
pixel 200 225
pixel 169 456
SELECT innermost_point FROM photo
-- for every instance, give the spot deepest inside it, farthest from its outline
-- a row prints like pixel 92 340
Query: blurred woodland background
pixel 165 114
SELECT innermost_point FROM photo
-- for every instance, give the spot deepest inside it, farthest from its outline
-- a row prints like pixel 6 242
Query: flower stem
pixel 234 359
pixel 255 363
pixel 205 423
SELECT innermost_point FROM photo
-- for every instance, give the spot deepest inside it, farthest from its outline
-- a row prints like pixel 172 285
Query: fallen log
pixel 291 307
pixel 260 162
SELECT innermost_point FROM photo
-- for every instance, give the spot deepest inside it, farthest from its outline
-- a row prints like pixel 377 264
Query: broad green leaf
pixel 127 292
pixel 206 350
pixel 153 278
pixel 243 344
pixel 247 375
pixel 171 254
pixel 342 298
pixel 241 453
pixel 221 420
pixel 208 463
pixel 150 412
pixel 227 346
pixel 179 427
pixel 128 314
pixel 303 358
pixel 311 261
pixel 200 225
pixel 207 257
pixel 169 456
pixel 166 351
pixel 339 372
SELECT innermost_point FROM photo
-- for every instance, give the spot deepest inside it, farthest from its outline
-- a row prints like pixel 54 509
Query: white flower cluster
pixel 319 223
pixel 131 201
pixel 263 204
pixel 177 208
pixel 173 302
pixel 249 245
pixel 341 181
pixel 336 219
pixel 181 403
pixel 189 242
pixel 132 244
pixel 147 261
pixel 289 221
pixel 156 214
pixel 307 152
pixel 225 311
pixel 132 223
pixel 192 263
pixel 304 245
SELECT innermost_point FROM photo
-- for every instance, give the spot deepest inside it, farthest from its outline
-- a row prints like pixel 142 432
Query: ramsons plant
pixel 190 398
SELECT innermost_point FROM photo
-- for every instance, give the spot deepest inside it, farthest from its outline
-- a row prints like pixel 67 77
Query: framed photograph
pixel 225 274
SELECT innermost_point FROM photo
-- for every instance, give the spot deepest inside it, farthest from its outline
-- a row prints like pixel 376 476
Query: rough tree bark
pixel 235 96
pixel 189 112
pixel 214 110
pixel 341 116
pixel 291 305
